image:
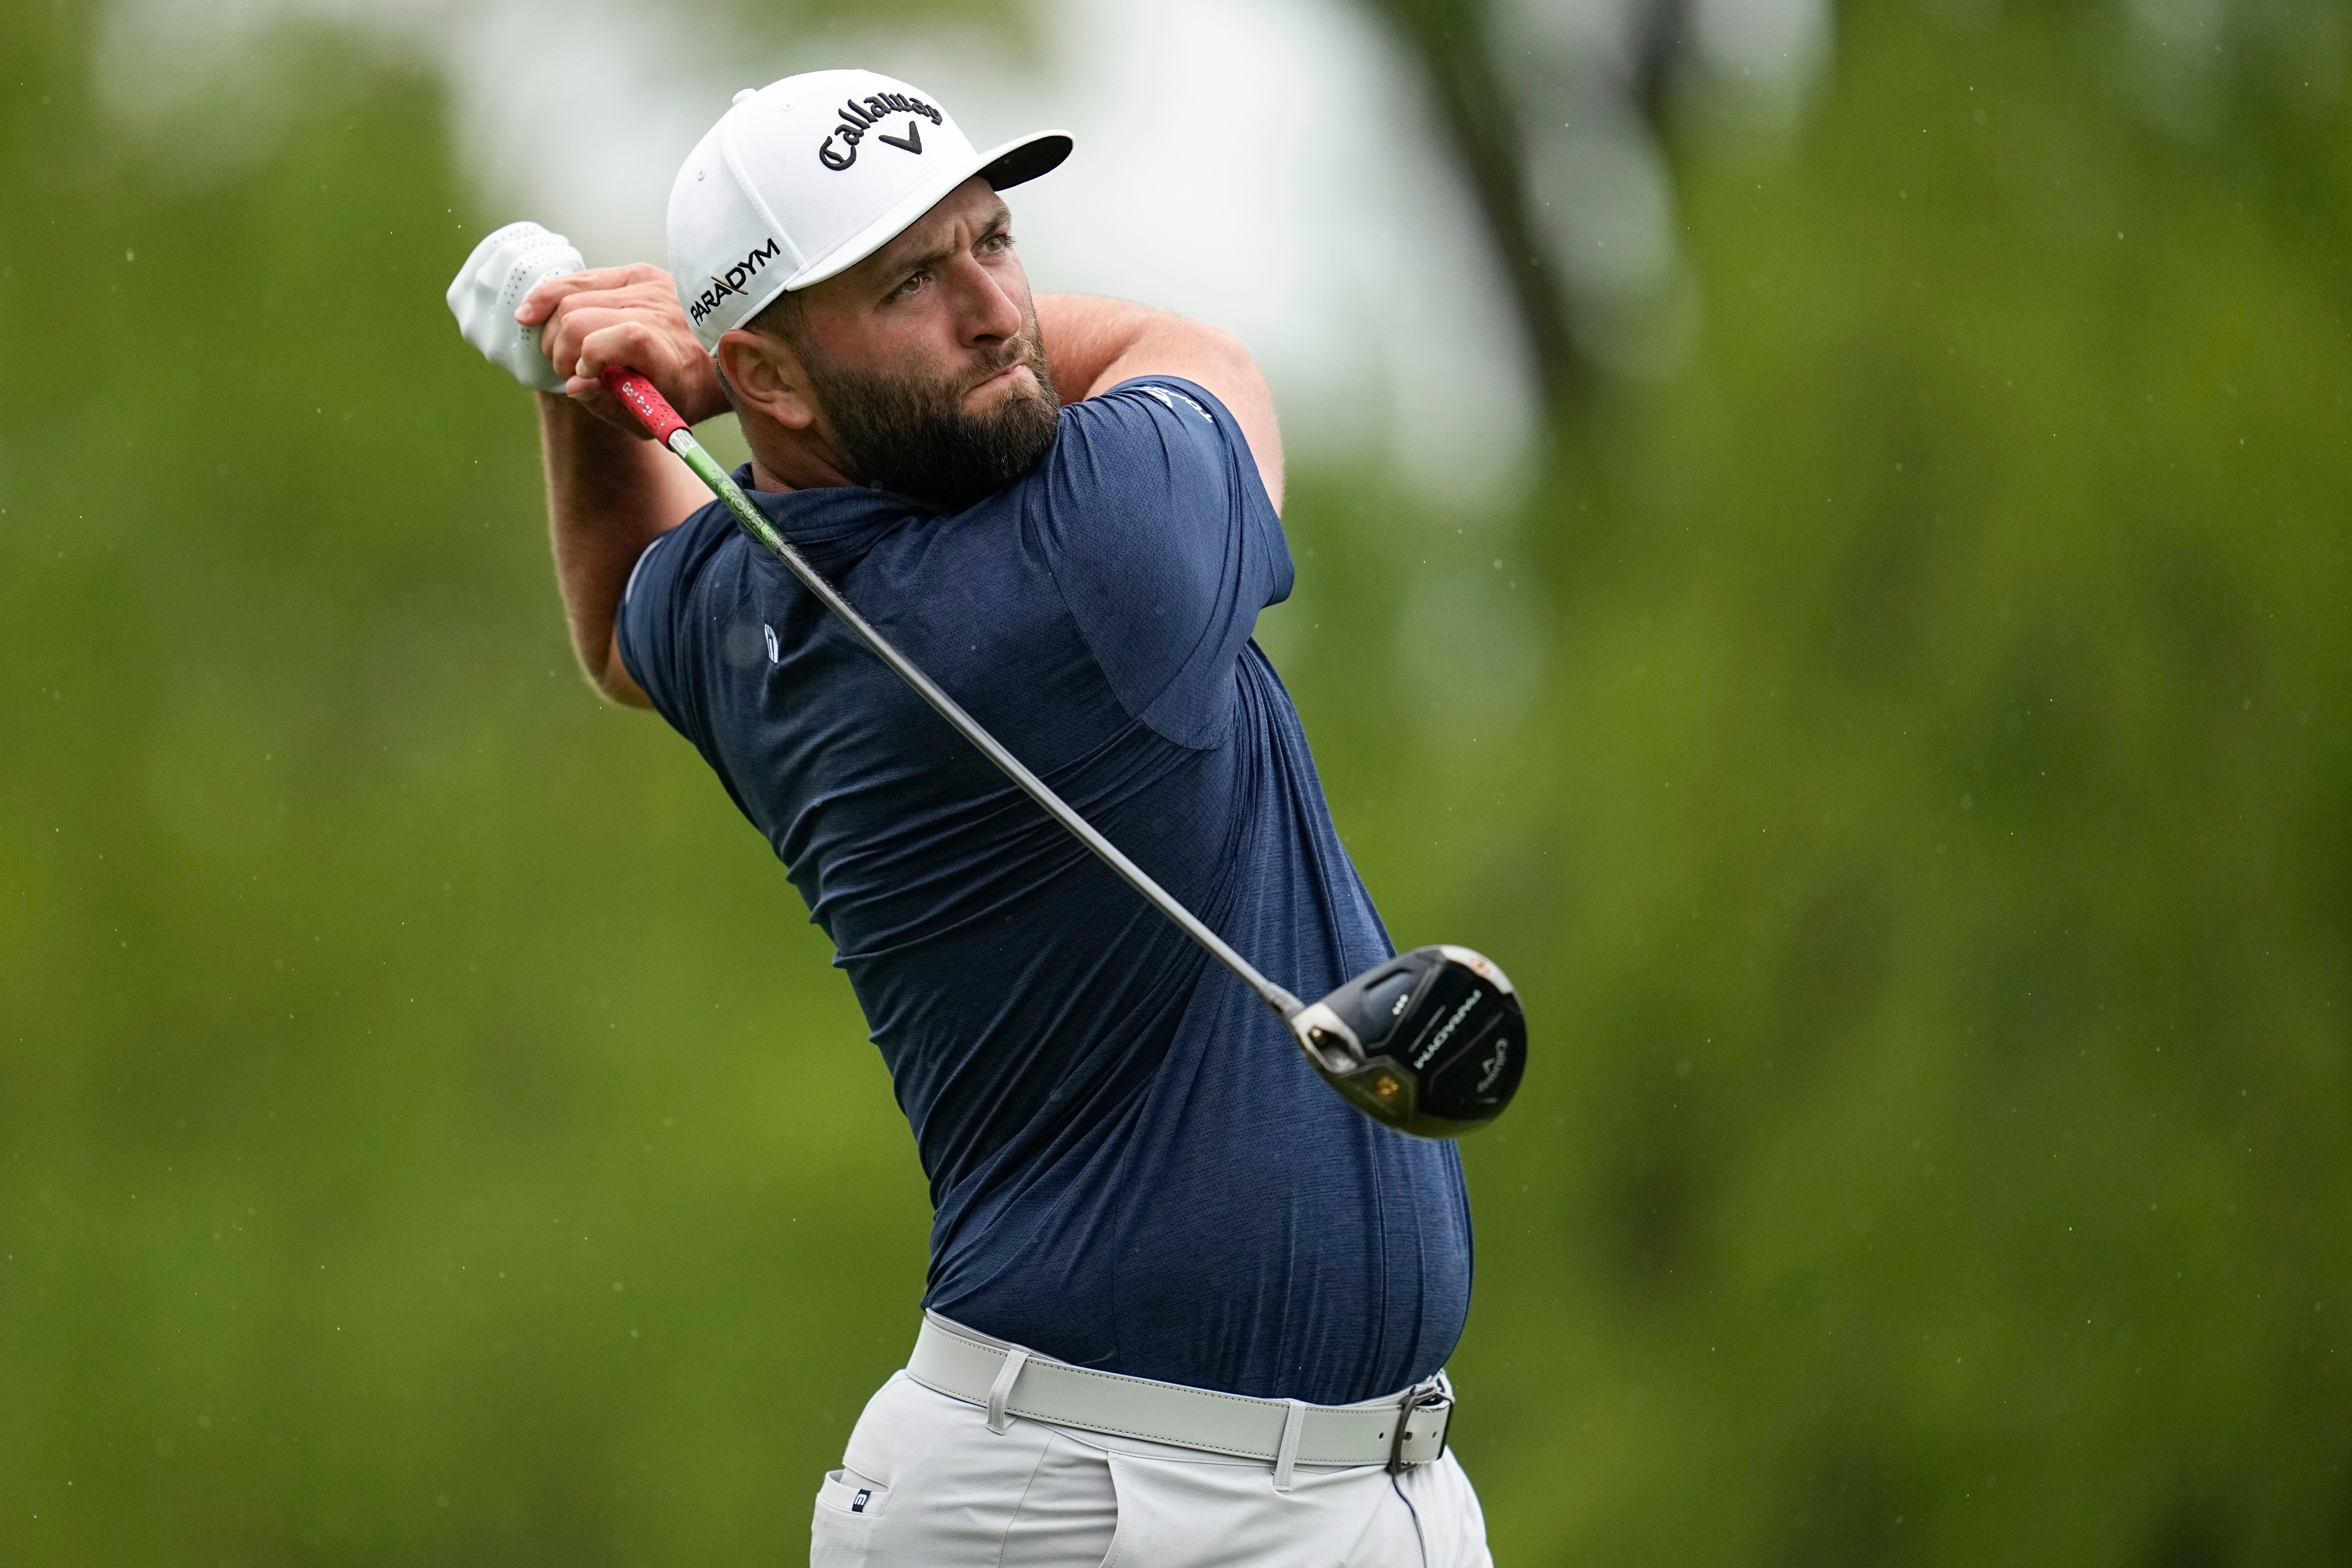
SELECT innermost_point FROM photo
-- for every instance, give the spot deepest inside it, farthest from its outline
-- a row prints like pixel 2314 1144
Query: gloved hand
pixel 505 267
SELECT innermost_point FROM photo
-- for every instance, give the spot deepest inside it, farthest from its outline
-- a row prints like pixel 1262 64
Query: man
pixel 1185 1306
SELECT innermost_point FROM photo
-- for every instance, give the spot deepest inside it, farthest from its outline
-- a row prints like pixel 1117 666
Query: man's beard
pixel 912 436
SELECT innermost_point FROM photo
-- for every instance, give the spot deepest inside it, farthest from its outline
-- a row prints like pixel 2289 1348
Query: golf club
pixel 1431 1042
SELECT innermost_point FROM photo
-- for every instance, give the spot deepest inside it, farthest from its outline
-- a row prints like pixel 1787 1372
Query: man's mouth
pixel 998 378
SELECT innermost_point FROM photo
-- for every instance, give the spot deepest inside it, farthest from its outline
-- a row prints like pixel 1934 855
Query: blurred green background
pixel 430 1132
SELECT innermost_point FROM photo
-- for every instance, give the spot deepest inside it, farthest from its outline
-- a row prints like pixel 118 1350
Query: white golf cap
pixel 809 176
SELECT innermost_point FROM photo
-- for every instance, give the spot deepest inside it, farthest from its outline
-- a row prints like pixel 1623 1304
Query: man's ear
pixel 768 377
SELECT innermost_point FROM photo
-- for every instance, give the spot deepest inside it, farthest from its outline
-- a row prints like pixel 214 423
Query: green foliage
pixel 1928 863
pixel 428 1129
pixel 1923 844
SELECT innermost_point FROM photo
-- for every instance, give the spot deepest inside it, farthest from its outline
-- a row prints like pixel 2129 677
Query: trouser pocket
pixel 852 1493
pixel 849 1509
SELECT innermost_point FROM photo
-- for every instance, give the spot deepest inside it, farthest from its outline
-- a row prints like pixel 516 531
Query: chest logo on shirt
pixel 775 653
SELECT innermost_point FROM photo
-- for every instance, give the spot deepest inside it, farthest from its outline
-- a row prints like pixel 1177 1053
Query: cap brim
pixel 1023 158
pixel 1026 159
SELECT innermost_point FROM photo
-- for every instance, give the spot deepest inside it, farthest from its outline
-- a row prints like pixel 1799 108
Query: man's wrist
pixel 577 416
pixel 693 386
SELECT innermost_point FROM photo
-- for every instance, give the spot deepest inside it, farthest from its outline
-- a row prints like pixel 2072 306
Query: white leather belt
pixel 1400 1431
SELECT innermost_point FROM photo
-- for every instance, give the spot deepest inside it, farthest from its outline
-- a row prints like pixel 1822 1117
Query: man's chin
pixel 935 446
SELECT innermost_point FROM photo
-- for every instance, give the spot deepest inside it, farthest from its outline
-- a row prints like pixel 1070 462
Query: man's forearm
pixel 1085 334
pixel 609 495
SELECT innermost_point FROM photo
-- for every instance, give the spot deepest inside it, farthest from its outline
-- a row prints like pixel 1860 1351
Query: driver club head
pixel 1431 1042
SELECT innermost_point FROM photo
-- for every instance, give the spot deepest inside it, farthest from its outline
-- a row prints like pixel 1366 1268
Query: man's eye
pixel 911 285
pixel 995 242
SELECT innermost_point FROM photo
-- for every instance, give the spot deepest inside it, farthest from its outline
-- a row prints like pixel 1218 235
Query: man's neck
pixel 793 465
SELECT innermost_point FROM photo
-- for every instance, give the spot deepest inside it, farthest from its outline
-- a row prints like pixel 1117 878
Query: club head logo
pixel 1494 1065
pixel 1437 1041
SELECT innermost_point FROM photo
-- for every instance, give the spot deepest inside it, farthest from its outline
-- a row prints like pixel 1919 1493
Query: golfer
pixel 1185 1306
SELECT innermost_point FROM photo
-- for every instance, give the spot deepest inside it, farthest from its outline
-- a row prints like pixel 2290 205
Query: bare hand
pixel 626 316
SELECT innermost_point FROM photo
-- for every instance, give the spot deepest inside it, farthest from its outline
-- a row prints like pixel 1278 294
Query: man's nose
pixel 991 313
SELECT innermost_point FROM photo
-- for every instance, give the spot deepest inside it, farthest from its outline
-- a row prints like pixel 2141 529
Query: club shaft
pixel 756 523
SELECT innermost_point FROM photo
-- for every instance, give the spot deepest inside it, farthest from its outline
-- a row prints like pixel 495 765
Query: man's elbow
pixel 617 687
pixel 611 680
pixel 1225 351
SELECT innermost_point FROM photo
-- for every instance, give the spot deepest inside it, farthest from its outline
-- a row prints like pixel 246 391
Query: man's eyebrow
pixel 998 222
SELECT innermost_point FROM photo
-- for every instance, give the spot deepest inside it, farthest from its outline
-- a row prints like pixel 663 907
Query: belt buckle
pixel 1430 1395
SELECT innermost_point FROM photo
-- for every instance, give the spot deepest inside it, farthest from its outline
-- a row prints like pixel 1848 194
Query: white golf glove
pixel 504 267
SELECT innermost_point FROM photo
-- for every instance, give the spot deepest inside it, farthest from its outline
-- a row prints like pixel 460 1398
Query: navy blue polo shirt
pixel 1131 1166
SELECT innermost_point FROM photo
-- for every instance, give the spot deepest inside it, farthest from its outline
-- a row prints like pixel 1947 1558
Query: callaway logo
pixel 743 272
pixel 857 120
pixel 1493 1066
pixel 1172 402
pixel 1445 1030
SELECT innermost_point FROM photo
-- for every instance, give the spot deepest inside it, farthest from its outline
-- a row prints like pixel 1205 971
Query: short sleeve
pixel 652 606
pixel 1159 534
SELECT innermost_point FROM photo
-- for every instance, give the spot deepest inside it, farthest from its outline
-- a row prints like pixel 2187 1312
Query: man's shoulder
pixel 1148 443
pixel 830 528
pixel 676 555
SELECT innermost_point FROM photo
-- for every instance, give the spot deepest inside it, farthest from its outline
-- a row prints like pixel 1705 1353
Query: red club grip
pixel 652 409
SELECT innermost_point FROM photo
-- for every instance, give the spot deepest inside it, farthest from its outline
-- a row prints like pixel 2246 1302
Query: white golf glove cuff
pixel 504 267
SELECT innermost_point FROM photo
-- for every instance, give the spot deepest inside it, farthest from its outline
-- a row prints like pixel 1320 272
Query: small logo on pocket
pixel 775 656
pixel 857 1503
